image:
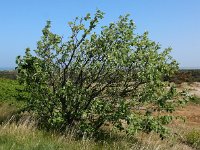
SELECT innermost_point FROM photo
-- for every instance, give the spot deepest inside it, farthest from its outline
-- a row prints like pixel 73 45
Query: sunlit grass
pixel 24 135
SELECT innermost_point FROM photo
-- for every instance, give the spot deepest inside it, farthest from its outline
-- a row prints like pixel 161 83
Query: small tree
pixel 114 77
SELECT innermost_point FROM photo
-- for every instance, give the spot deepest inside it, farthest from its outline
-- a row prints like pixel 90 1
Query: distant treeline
pixel 184 75
pixel 8 74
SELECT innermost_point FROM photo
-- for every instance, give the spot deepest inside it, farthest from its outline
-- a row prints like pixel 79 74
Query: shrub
pixel 96 79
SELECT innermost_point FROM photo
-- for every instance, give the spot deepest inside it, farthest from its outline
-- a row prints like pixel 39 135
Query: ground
pixel 191 111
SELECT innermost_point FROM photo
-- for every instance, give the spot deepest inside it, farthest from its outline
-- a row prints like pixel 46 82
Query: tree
pixel 115 77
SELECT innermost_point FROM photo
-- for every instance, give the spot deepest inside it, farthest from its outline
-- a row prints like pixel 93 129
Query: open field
pixel 24 134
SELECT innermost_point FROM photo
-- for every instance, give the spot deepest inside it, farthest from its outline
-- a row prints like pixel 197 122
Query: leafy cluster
pixel 115 77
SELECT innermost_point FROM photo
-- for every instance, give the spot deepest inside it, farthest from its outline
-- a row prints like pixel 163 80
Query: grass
pixel 193 138
pixel 25 136
pixel 6 111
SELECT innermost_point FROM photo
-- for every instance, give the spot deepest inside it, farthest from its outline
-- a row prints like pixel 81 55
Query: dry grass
pixel 24 135
pixel 6 111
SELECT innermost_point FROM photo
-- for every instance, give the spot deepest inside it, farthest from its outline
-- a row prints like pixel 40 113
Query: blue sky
pixel 174 23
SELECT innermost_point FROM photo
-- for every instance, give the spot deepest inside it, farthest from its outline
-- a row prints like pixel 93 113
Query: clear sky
pixel 174 23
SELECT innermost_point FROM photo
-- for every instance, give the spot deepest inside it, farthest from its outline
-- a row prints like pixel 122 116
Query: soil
pixel 191 111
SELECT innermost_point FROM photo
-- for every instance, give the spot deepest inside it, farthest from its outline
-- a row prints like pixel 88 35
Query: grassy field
pixel 23 134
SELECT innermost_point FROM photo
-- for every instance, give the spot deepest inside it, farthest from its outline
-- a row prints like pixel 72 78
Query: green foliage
pixel 9 92
pixel 7 89
pixel 96 79
pixel 193 138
